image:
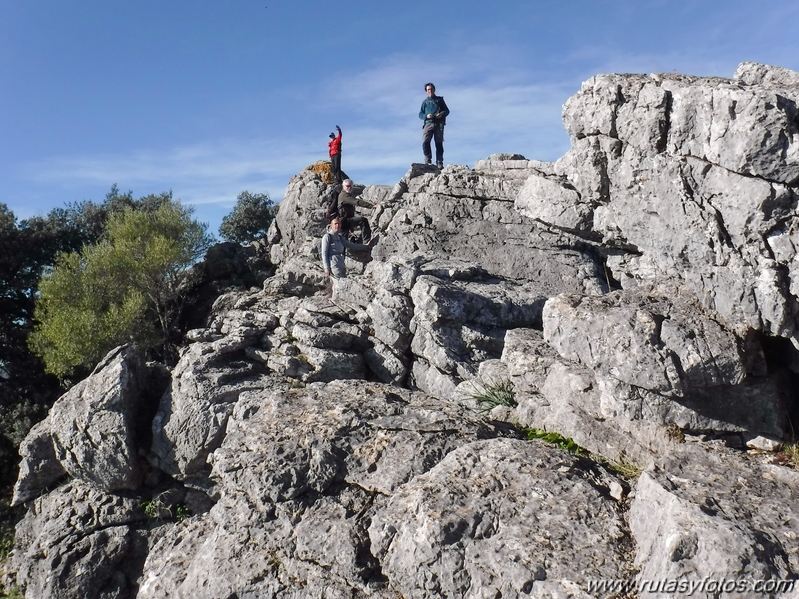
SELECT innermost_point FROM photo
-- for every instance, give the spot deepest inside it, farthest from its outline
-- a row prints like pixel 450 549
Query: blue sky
pixel 211 98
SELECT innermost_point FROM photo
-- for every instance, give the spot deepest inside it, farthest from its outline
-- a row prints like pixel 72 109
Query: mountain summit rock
pixel 369 436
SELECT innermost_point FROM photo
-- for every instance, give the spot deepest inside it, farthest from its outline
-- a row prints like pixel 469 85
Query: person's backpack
pixel 442 106
pixel 330 201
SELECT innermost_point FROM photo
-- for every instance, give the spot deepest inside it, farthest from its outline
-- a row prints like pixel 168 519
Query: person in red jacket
pixel 335 154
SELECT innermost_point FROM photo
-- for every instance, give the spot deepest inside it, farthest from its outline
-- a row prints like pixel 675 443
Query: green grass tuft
pixel 788 455
pixel 556 439
pixel 490 395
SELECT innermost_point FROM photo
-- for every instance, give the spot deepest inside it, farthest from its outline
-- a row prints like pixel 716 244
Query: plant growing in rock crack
pixel 675 433
pixel 154 508
pixel 150 508
pixel 489 395
pixel 8 521
pixel 788 454
pixel 273 561
pixel 182 512
pixel 553 438
pixel 623 469
pixel 6 545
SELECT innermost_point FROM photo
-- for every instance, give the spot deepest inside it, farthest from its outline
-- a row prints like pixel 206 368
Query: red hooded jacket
pixel 335 144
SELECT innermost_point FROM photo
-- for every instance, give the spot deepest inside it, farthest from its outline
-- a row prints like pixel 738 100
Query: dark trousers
pixel 335 160
pixel 355 222
pixel 434 131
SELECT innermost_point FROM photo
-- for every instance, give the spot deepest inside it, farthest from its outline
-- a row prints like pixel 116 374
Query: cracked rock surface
pixel 301 474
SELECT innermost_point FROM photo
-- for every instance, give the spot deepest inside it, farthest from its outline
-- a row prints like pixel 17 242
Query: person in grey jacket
pixel 333 247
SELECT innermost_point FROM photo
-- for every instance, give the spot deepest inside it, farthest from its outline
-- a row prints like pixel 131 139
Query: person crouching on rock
pixel 346 210
pixel 334 245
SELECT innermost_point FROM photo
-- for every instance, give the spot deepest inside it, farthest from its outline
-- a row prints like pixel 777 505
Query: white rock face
pixel 368 436
pixel 91 431
pixel 694 174
pixel 301 474
pixel 687 512
pixel 501 517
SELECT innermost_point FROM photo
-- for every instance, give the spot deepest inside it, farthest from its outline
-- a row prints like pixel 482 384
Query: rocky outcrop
pixel 368 436
pixel 688 510
pixel 301 475
pixel 92 432
pixel 502 518
pixel 73 543
pixel 692 178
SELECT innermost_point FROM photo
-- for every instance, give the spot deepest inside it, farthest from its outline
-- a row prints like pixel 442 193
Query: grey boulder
pixel 502 518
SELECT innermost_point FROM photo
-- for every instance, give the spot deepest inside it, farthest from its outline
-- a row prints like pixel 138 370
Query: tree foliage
pixel 25 391
pixel 27 250
pixel 250 219
pixel 125 288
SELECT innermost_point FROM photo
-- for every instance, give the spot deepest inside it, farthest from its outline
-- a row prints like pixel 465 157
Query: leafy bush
pixel 126 288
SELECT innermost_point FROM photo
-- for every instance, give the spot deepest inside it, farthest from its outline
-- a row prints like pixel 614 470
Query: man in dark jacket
pixel 434 114
pixel 346 210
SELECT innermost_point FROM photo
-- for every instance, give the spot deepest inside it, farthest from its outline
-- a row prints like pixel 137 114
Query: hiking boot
pixel 440 164
pixel 428 160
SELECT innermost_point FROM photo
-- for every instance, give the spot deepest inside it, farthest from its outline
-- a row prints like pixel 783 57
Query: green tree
pixel 25 390
pixel 126 288
pixel 250 219
pixel 27 250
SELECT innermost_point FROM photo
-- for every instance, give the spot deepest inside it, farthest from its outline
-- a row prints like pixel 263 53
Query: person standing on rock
pixel 335 155
pixel 434 113
pixel 334 244
pixel 346 210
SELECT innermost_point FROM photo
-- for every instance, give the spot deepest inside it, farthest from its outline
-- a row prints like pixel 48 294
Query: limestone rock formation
pixel 369 436
pixel 87 527
pixel 688 510
pixel 498 518
pixel 92 432
pixel 301 474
